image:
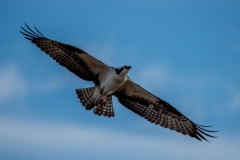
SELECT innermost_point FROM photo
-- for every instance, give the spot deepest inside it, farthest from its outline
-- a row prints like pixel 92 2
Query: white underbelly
pixel 110 86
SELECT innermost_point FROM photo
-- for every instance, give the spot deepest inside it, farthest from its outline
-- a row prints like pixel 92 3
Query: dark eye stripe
pixel 118 71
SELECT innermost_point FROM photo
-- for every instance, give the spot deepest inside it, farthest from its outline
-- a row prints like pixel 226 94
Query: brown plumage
pixel 85 97
pixel 157 111
pixel 129 94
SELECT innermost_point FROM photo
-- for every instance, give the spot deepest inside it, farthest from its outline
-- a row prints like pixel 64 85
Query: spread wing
pixel 157 111
pixel 74 59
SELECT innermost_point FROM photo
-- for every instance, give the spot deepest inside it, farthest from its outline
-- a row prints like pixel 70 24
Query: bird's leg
pixel 99 107
pixel 102 101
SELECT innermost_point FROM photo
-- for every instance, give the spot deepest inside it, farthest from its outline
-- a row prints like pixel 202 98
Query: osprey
pixel 110 81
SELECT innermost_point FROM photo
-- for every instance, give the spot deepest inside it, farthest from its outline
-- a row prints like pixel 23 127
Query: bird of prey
pixel 110 81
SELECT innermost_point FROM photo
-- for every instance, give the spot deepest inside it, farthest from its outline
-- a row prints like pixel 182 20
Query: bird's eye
pixel 117 70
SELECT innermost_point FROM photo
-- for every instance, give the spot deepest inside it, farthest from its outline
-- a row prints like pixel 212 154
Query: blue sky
pixel 185 52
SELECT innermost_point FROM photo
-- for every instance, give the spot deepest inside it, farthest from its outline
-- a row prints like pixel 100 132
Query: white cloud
pixel 49 85
pixel 154 76
pixel 12 84
pixel 233 97
pixel 162 77
pixel 233 46
pixel 56 140
pixel 236 101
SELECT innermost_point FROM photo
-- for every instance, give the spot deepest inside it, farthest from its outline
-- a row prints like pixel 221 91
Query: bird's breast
pixel 111 84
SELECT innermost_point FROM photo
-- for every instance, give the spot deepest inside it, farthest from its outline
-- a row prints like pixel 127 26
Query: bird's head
pixel 122 70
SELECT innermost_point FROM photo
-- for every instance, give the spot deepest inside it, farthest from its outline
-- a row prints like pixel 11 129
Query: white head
pixel 122 71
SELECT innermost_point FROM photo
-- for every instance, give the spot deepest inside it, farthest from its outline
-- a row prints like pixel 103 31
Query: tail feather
pixel 105 110
pixel 85 97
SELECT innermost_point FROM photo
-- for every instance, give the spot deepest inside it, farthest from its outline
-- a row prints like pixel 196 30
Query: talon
pixel 103 101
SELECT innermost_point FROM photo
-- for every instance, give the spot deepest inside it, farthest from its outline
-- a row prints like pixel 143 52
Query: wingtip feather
pixel 30 34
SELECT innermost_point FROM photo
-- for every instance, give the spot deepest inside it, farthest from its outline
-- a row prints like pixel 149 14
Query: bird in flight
pixel 110 81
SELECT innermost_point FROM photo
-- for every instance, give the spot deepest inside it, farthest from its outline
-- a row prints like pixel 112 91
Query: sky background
pixel 185 52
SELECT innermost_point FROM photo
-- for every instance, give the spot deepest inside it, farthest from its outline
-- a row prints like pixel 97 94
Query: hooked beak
pixel 128 67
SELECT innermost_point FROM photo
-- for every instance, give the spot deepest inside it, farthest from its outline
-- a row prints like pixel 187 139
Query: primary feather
pixel 114 81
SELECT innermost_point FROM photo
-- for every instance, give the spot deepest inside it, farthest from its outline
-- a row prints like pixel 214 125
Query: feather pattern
pixel 105 110
pixel 157 111
pixel 85 97
pixel 129 94
pixel 74 59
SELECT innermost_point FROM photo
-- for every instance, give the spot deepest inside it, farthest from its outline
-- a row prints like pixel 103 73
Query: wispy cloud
pixel 15 85
pixel 162 76
pixel 48 85
pixel 234 101
pixel 233 46
pixel 58 140
pixel 12 83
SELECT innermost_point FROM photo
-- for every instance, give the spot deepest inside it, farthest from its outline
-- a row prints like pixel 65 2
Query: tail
pixel 86 98
pixel 106 109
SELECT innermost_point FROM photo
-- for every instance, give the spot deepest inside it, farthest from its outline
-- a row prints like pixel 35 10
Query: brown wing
pixel 158 111
pixel 74 59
